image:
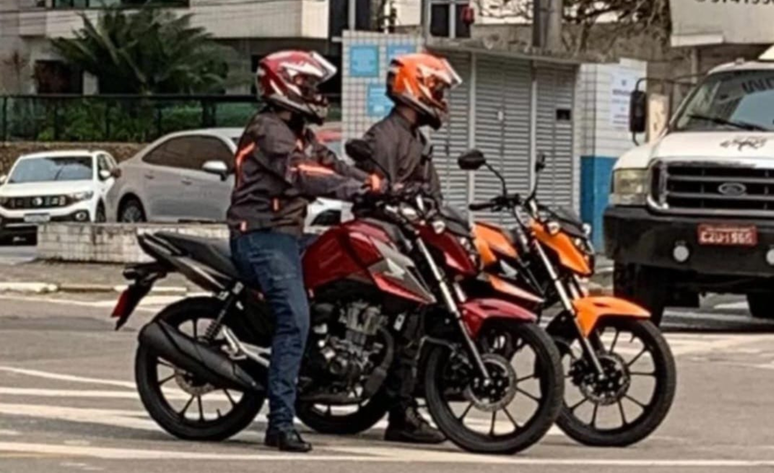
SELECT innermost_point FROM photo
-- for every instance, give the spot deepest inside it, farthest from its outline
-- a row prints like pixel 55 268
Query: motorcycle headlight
pixel 630 187
pixel 80 196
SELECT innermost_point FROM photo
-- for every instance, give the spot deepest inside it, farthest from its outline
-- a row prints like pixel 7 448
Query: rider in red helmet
pixel 280 167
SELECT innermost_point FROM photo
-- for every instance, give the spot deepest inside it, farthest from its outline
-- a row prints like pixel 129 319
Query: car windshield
pixel 735 100
pixel 45 169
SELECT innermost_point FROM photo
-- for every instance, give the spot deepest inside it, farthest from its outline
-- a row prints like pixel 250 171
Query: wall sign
pixel 379 105
pixel 364 61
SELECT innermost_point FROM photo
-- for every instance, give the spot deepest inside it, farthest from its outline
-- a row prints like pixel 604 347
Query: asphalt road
pixel 17 253
pixel 68 404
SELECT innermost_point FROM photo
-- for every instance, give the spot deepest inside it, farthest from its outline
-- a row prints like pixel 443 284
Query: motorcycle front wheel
pixel 515 408
pixel 182 405
pixel 636 394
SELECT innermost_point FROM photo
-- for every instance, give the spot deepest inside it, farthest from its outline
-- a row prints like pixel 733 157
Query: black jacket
pixel 278 172
pixel 403 151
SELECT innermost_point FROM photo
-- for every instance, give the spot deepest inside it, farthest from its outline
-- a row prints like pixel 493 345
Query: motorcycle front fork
pixel 453 308
pixel 566 296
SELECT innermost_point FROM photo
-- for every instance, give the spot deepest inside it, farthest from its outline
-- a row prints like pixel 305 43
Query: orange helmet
pixel 420 81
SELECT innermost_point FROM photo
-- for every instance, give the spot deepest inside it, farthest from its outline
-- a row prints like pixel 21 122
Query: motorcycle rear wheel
pixel 445 373
pixel 652 412
pixel 190 313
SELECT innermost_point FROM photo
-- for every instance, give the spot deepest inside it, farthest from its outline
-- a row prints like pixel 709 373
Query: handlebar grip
pixel 475 206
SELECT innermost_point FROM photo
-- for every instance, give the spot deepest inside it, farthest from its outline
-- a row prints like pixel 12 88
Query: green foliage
pixel 148 51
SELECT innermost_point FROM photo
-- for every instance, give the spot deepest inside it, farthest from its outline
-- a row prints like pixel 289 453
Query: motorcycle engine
pixel 349 345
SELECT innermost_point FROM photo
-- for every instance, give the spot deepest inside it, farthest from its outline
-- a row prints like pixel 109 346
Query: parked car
pixel 59 186
pixel 167 180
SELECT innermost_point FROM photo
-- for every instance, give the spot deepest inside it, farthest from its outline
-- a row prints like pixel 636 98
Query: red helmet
pixel 289 79
pixel 421 81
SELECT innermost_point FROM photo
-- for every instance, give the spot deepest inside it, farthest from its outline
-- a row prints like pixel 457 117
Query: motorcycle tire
pixel 166 416
pixel 656 410
pixel 347 424
pixel 548 370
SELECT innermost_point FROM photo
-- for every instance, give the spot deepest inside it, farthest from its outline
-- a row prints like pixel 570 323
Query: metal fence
pixel 120 118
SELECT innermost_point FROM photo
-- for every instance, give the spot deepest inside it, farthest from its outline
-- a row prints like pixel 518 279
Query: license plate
pixel 728 235
pixel 37 218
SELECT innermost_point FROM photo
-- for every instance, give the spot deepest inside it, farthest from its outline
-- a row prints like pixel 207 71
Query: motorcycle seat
pixel 215 253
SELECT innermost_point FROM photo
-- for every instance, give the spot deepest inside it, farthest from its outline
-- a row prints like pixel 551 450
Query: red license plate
pixel 728 235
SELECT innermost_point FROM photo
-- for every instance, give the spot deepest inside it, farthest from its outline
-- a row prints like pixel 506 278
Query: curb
pixel 48 288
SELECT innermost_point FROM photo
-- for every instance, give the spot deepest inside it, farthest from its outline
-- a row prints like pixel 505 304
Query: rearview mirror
pixel 638 111
pixel 105 175
pixel 471 160
pixel 3 178
pixel 358 150
pixel 540 163
pixel 219 168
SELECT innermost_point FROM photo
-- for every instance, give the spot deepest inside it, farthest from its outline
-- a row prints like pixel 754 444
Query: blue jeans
pixel 272 261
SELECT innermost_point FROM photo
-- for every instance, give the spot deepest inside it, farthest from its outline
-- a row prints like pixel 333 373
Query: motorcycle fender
pixel 589 310
pixel 476 312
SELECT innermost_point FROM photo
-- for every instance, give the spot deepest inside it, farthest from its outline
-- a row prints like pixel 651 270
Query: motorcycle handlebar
pixel 501 201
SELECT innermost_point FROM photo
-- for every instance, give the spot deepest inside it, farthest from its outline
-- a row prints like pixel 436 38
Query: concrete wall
pixel 10 151
pixel 108 243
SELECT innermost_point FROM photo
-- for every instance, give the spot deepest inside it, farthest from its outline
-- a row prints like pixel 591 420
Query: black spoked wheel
pixel 634 397
pixel 515 408
pixel 344 420
pixel 180 403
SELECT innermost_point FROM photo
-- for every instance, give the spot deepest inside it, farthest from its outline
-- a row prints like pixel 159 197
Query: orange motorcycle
pixel 620 373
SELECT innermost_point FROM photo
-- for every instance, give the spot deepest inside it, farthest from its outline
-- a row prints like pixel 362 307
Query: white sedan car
pixel 167 182
pixel 59 186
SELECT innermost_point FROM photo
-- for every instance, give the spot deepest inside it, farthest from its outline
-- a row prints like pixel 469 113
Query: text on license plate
pixel 728 235
pixel 37 218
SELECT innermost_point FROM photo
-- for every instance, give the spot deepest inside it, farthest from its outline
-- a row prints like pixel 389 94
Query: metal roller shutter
pixel 554 134
pixel 452 139
pixel 502 126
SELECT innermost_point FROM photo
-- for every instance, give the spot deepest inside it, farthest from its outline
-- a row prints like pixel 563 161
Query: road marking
pixel 66 377
pixel 370 455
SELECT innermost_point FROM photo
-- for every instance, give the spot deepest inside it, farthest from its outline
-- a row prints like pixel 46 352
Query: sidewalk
pixel 44 277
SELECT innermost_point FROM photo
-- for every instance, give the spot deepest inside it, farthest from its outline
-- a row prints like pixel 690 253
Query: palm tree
pixel 148 51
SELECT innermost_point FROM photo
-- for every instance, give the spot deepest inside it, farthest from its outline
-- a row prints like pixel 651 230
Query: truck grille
pixel 704 188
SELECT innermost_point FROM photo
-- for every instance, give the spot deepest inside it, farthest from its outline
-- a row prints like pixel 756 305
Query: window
pixel 47 169
pixel 729 101
pixel 173 153
pixel 211 149
pixel 190 152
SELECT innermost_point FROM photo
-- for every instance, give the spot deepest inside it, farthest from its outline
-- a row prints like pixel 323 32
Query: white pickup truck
pixel 692 212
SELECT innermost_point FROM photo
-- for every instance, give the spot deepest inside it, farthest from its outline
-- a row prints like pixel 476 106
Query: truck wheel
pixel 642 285
pixel 761 305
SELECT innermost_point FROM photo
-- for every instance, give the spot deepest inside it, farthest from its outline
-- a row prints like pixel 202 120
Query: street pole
pixel 537 23
pixel 352 17
pixel 554 25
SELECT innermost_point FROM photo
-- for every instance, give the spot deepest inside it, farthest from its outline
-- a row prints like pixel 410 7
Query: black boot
pixel 407 425
pixel 287 441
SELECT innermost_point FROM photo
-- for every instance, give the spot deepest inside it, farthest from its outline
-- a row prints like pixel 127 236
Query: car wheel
pixel 131 211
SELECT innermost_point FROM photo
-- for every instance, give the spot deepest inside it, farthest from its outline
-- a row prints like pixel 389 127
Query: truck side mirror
pixel 638 112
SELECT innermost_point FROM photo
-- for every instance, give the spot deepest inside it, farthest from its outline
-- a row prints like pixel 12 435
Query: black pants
pixel 401 380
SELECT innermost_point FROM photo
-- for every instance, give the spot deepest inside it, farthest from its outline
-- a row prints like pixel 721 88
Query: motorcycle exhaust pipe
pixel 204 362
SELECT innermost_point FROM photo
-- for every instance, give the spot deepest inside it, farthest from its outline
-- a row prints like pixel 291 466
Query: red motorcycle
pixel 201 363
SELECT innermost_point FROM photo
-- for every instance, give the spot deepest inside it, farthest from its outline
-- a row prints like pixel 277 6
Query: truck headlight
pixel 630 187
